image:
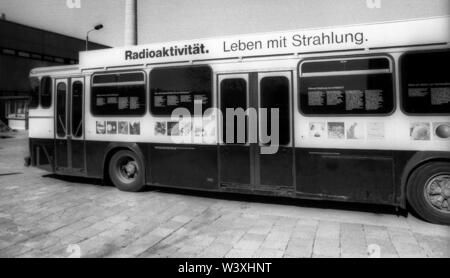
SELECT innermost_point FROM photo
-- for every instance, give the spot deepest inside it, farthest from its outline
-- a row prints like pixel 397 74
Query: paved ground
pixel 41 216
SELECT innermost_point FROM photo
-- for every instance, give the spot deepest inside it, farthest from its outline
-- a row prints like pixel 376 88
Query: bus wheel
pixel 429 192
pixel 126 171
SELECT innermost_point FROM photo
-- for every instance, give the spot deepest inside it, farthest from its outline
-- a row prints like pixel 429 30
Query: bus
pixel 362 115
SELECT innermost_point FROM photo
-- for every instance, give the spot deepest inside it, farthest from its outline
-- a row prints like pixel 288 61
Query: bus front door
pixel 246 160
pixel 69 137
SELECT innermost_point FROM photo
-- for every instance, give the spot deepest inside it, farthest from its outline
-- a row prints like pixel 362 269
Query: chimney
pixel 3 17
pixel 131 22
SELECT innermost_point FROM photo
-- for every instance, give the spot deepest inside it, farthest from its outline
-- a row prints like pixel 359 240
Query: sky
pixel 172 20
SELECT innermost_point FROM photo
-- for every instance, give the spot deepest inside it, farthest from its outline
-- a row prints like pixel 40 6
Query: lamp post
pixel 96 28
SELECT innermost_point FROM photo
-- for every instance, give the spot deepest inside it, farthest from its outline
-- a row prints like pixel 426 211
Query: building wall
pixel 23 48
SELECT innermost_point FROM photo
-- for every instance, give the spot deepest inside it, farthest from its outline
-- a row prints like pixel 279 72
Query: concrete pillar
pixel 131 29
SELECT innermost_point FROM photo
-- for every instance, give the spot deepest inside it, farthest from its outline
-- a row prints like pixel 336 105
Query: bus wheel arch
pixel 426 184
pixel 116 153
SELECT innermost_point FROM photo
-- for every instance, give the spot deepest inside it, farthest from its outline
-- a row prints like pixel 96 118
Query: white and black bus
pixel 363 115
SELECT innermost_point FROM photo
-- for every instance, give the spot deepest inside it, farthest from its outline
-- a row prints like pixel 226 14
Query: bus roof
pixel 367 36
pixel 66 69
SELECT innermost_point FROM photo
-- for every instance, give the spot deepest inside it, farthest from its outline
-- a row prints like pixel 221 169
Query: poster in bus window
pixel 185 127
pixel 420 131
pixel 123 128
pixel 317 130
pixel 100 127
pixel 209 126
pixel 199 131
pixel 111 127
pixel 135 128
pixel 336 130
pixel 355 131
pixel 441 131
pixel 375 131
pixel 160 128
pixel 173 128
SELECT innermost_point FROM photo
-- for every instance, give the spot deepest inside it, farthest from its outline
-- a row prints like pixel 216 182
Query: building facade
pixel 23 48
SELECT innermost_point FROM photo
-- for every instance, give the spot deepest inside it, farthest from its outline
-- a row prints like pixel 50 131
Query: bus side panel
pixel 350 175
pixel 183 166
pixel 42 153
pixel 95 152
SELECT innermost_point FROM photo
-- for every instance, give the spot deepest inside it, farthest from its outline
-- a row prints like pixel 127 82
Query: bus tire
pixel 428 192
pixel 126 171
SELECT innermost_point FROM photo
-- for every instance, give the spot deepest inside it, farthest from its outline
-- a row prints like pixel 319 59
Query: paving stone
pixel 265 253
pixel 239 253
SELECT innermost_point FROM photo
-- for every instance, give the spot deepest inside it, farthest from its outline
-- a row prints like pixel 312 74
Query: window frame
pixel 290 105
pixel 213 95
pixel 66 107
pixel 83 96
pixel 144 82
pixel 51 92
pixel 247 102
pixel 392 71
pixel 38 94
pixel 401 81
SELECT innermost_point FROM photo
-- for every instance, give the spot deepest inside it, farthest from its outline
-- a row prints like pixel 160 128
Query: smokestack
pixel 131 22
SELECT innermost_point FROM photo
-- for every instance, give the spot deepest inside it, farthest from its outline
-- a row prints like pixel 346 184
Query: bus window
pixel 46 92
pixel 275 94
pixel 233 95
pixel 177 87
pixel 61 112
pixel 34 93
pixel 426 82
pixel 77 109
pixel 119 94
pixel 347 87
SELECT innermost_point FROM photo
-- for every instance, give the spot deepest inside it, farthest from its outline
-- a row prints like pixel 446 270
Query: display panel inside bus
pixel 426 82
pixel 118 94
pixel 172 88
pixel 322 91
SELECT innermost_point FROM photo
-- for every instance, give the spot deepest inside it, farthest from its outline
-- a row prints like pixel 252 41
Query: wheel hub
pixel 438 192
pixel 130 169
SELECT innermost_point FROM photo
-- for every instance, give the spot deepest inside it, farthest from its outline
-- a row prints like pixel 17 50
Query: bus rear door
pixel 69 126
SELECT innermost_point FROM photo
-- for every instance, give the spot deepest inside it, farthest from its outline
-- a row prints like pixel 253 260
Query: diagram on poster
pixel 160 128
pixel 135 128
pixel 336 130
pixel 442 130
pixel 375 131
pixel 123 128
pixel 355 131
pixel 111 127
pixel 100 127
pixel 317 130
pixel 420 131
pixel 173 128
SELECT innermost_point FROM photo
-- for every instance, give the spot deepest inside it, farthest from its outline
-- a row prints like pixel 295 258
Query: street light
pixel 96 28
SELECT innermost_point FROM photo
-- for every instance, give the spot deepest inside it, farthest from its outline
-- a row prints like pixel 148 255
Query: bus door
pixel 274 157
pixel 235 160
pixel 69 126
pixel 242 162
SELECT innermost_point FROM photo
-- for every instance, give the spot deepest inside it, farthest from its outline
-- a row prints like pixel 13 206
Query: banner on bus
pixel 389 34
